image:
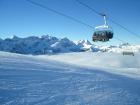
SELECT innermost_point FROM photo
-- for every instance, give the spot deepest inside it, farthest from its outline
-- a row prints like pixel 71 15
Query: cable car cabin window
pixel 103 35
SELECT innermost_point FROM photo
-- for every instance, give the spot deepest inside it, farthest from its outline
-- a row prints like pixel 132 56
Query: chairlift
pixel 127 51
pixel 103 33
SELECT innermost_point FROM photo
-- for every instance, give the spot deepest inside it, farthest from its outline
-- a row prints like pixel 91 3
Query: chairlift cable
pixel 120 40
pixel 59 13
pixel 111 20
pixel 64 15
pixel 123 27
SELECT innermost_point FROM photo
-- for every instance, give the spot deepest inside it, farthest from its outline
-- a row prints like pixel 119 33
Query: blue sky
pixel 20 18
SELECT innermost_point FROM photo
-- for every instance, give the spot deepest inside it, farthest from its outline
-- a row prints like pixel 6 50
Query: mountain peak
pixel 15 37
pixel 46 36
pixel 87 42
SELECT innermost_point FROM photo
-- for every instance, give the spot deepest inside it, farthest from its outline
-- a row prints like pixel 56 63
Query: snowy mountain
pixel 38 45
pixel 47 44
pixel 65 45
pixel 120 48
pixel 84 45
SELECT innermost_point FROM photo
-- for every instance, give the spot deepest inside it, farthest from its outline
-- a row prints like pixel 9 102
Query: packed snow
pixel 84 78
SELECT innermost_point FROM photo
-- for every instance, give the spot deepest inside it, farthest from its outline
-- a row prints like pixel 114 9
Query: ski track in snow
pixel 29 80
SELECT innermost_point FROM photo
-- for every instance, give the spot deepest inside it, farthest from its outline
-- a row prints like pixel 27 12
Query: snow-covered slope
pixel 110 62
pixel 39 80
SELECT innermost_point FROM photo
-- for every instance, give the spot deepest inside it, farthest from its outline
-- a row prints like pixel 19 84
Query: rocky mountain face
pixel 47 45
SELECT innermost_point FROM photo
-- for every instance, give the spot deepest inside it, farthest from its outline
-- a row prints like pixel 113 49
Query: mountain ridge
pixel 49 44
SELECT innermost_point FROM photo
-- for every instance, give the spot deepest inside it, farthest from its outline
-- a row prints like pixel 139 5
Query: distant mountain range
pixel 48 45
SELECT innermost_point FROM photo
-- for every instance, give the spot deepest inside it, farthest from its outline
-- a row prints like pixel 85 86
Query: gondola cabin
pixel 102 33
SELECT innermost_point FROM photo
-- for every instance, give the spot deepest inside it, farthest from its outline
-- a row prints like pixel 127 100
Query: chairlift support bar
pixel 105 25
pixel 105 20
